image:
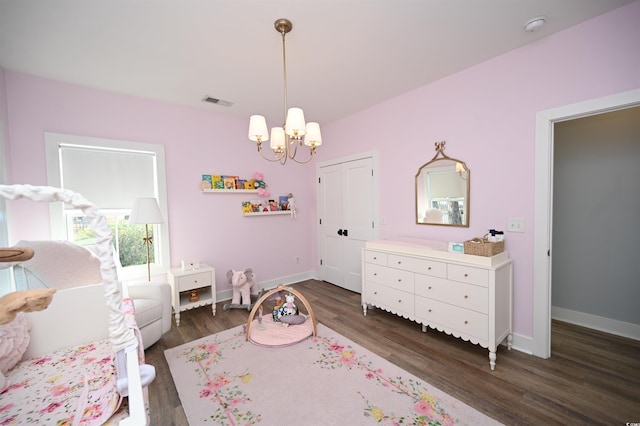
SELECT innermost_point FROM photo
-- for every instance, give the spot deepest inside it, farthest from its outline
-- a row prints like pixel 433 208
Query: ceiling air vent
pixel 220 102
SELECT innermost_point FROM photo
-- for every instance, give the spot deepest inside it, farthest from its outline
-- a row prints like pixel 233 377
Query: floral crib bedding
pixel 71 386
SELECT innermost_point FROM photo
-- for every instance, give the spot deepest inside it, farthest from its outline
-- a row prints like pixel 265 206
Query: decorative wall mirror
pixel 442 191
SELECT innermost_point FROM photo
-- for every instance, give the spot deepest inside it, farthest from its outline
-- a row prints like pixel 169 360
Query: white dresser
pixel 467 296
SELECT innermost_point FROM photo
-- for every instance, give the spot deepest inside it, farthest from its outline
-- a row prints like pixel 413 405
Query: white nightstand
pixel 183 282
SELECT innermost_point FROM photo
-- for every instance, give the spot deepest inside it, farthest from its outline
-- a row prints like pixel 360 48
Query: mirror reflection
pixel 442 191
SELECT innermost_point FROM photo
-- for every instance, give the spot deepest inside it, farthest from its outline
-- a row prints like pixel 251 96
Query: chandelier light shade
pixel 295 126
pixel 312 137
pixel 278 139
pixel 258 129
pixel 295 132
pixel 146 212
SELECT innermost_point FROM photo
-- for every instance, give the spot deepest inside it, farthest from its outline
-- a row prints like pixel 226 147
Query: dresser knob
pixel 466 296
pixel 466 322
pixel 466 275
pixel 399 280
pixel 429 310
pixel 399 300
pixel 375 258
pixel 375 273
pixel 429 268
pixel 375 292
pixel 399 262
pixel 429 287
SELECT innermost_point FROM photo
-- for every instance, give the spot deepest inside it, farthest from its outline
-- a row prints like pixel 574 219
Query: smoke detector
pixel 534 23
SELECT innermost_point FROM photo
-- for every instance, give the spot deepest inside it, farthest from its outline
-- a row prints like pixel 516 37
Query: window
pixel 111 174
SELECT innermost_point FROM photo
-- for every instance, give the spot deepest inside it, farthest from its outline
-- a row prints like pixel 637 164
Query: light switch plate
pixel 515 224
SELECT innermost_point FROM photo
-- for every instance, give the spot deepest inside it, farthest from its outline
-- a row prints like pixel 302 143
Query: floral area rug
pixel 323 380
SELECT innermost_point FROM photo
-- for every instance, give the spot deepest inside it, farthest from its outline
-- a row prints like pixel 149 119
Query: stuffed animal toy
pixel 24 301
pixel 290 307
pixel 292 205
pixel 244 284
pixel 21 301
pixel 15 254
pixel 14 328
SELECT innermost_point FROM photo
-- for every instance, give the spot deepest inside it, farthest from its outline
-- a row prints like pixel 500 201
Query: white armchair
pixel 62 264
pixel 152 302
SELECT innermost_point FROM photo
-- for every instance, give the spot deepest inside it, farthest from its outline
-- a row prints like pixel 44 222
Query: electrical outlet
pixel 515 224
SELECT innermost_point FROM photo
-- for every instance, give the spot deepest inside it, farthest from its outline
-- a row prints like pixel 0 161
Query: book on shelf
pixel 284 202
pixel 216 182
pixel 205 183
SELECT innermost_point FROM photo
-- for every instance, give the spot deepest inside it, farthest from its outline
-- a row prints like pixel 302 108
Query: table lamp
pixel 146 212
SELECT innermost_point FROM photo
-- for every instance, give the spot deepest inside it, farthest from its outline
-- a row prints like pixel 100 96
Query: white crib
pixel 84 356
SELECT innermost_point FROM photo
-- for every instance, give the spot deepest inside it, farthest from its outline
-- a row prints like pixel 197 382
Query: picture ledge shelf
pixel 281 212
pixel 231 191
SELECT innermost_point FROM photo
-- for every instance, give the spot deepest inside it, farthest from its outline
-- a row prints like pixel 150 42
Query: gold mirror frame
pixel 442 191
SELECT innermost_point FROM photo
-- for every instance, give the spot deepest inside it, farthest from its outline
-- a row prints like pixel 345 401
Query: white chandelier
pixel 285 140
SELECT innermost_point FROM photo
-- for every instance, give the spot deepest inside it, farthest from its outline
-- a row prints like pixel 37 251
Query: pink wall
pixel 4 130
pixel 487 116
pixel 208 227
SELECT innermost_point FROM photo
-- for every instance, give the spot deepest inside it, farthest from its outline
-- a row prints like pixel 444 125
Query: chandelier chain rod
pixel 284 67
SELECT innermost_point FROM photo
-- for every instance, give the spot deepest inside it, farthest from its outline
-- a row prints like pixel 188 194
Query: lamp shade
pixel 313 136
pixel 295 122
pixel 277 138
pixel 145 211
pixel 258 128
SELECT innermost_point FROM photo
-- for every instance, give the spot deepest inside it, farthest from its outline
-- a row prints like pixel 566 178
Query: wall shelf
pixel 231 191
pixel 282 212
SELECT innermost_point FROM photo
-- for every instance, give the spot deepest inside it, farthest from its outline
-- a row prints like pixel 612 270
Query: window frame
pixel 56 210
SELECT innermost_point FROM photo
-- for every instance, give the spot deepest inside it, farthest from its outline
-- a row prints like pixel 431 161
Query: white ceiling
pixel 342 56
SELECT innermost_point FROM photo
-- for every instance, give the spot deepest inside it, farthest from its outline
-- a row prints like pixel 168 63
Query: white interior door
pixel 346 210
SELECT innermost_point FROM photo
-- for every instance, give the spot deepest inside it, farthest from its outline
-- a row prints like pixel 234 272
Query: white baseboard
pixel 522 344
pixel 619 328
pixel 269 284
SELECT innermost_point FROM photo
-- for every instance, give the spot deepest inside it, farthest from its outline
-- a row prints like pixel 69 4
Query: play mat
pixel 265 331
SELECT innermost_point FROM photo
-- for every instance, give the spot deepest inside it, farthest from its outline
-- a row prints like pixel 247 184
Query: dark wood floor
pixel 592 377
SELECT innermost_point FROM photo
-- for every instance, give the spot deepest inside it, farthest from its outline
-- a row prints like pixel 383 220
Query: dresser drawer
pixel 466 296
pixel 193 281
pixel 421 266
pixel 375 257
pixel 396 278
pixel 391 298
pixel 467 274
pixel 452 318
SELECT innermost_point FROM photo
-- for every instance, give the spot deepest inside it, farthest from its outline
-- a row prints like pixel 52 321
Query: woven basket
pixel 482 247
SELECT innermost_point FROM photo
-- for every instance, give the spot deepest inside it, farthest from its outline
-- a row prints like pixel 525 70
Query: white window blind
pixel 110 178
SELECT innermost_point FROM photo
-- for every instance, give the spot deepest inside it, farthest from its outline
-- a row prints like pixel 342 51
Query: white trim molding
pixel 608 325
pixel 545 121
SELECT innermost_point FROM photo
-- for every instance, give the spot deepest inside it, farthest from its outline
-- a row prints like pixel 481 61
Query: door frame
pixel 375 193
pixel 543 222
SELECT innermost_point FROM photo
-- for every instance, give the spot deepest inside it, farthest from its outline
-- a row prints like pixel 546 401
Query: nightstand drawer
pixel 192 281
